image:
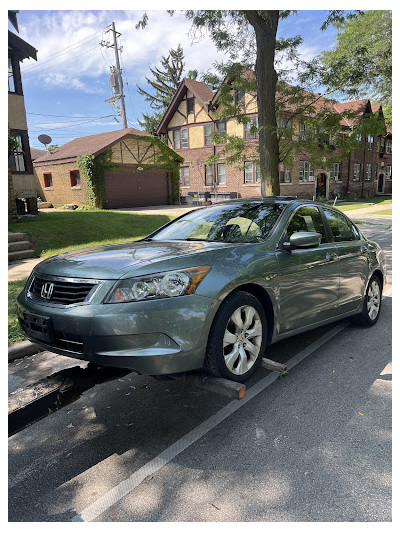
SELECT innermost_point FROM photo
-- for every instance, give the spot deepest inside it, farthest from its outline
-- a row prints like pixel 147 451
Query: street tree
pixel 360 64
pixel 249 38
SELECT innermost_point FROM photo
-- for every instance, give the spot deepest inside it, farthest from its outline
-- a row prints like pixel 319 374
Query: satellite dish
pixel 45 139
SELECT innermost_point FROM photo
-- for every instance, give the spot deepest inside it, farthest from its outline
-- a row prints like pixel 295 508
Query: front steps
pixel 19 247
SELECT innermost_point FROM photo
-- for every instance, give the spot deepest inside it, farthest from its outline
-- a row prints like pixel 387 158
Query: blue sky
pixel 66 89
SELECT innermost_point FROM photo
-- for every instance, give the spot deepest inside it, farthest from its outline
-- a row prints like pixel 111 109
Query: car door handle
pixel 331 257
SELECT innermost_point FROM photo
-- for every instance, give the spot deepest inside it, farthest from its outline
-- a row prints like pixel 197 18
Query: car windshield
pixel 241 223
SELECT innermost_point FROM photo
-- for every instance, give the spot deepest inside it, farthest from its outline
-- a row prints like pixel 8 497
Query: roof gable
pixel 92 144
pixel 200 90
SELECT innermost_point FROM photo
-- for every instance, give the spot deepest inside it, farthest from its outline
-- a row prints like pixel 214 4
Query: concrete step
pixel 13 237
pixel 19 246
pixel 21 254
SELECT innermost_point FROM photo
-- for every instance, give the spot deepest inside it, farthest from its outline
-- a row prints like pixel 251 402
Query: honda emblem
pixel 47 290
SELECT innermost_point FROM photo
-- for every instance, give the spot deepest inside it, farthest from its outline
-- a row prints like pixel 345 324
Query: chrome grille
pixel 62 292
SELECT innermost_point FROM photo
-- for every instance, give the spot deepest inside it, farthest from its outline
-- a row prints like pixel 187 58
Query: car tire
pixel 237 339
pixel 372 304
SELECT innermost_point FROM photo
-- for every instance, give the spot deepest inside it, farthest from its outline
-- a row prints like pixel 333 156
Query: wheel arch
pixel 263 297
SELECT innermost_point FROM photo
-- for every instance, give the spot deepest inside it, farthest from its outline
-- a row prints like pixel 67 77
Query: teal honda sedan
pixel 211 289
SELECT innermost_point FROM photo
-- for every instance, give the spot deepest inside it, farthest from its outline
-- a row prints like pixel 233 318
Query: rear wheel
pixel 237 339
pixel 372 304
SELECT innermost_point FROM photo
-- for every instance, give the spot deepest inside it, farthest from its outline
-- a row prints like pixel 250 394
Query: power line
pixel 77 123
pixel 63 51
pixel 66 61
pixel 61 116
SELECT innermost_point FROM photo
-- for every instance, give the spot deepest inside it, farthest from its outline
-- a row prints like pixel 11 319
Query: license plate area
pixel 38 327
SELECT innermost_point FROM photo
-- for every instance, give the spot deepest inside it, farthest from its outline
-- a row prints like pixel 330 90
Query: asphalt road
pixel 312 446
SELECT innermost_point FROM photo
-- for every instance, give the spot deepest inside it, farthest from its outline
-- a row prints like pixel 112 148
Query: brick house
pixel 190 120
pixel 22 184
pixel 137 179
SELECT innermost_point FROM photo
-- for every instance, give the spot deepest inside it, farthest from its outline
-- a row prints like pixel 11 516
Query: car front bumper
pixel 155 337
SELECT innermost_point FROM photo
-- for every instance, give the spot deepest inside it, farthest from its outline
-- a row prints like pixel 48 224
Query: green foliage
pixel 53 147
pixel 92 170
pixel 12 142
pixel 360 65
pixel 165 81
pixel 15 333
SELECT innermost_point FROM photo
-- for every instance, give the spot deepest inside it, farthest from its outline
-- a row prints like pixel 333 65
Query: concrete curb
pixel 18 350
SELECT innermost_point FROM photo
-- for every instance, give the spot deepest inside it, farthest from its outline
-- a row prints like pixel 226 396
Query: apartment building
pixel 191 120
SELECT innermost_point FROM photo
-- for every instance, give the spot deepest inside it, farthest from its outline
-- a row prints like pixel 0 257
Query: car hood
pixel 116 260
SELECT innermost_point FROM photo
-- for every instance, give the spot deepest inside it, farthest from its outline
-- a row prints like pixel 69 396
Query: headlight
pixel 162 285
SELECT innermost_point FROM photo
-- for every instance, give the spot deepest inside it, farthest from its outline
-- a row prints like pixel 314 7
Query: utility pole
pixel 118 87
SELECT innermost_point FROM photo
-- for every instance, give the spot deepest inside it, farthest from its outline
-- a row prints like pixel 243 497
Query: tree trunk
pixel 265 27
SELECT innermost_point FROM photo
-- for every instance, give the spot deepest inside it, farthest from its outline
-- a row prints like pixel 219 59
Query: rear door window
pixel 342 229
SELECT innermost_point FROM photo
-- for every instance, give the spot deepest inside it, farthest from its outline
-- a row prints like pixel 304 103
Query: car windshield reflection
pixel 248 223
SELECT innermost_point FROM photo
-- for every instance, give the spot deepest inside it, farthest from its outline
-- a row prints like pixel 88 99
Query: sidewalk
pixel 22 269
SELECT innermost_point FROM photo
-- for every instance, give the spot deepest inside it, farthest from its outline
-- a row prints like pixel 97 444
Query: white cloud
pixel 69 50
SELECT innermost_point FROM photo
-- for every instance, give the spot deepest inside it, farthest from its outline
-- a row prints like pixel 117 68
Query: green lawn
pixel 14 331
pixel 383 212
pixel 54 233
pixel 362 203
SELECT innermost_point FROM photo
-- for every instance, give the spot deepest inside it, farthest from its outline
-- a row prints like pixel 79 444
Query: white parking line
pixel 125 487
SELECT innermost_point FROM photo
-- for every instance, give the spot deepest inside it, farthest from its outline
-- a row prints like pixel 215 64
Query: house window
pixel 185 176
pixel 285 175
pixel 208 135
pixel 388 171
pixel 221 176
pixel 389 146
pixel 335 172
pixel 185 138
pixel 376 171
pixel 17 158
pixel 252 172
pixel 285 125
pixel 248 172
pixel 239 94
pixel 306 172
pixel 357 172
pixel 209 175
pixel 251 129
pixel 302 131
pixel 381 145
pixel 190 105
pixel 75 178
pixel 370 142
pixel 177 139
pixel 358 137
pixel 11 81
pixel 48 181
pixel 221 126
pixel 368 171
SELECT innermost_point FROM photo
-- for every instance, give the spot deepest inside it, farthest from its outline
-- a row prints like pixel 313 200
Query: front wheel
pixel 238 338
pixel 372 304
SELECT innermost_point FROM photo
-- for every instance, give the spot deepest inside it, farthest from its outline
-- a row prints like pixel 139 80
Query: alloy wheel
pixel 242 340
pixel 373 300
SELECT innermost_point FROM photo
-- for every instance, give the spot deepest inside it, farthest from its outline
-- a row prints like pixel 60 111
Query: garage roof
pixel 92 144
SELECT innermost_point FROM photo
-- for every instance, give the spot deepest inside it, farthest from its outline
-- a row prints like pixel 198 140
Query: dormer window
pixel 239 94
pixel 190 105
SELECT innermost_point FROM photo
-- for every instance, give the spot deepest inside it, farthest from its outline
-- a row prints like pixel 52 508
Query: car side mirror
pixel 303 239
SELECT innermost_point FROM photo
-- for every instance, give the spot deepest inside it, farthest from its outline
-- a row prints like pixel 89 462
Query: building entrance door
pixel 321 185
pixel 380 183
